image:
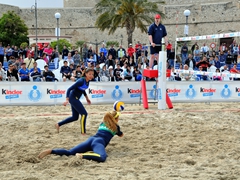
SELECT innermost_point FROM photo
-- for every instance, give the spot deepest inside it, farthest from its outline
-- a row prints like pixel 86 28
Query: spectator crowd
pixel 114 64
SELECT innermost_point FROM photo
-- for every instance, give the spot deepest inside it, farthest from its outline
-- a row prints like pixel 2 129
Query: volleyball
pixel 118 106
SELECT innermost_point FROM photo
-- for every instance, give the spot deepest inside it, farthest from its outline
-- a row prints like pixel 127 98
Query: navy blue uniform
pixel 96 144
pixel 74 93
pixel 157 32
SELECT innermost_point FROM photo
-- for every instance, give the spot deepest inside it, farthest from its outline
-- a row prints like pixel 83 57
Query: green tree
pixel 80 44
pixel 130 14
pixel 62 42
pixel 13 29
pixel 115 43
pixel 24 44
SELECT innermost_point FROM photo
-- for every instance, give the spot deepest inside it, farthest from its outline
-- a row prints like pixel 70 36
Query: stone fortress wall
pixel 78 17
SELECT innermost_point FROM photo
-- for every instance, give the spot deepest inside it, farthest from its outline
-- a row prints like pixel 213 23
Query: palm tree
pixel 130 14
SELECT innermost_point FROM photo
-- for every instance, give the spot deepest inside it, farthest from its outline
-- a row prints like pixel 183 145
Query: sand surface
pixel 191 141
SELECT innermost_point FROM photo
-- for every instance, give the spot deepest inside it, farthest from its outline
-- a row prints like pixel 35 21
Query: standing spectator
pixel 130 51
pixel 121 52
pixel 2 73
pixel 20 51
pixel 194 47
pixel 184 52
pixel 90 51
pixel 203 63
pixel 65 52
pixel 73 51
pixel 171 57
pixel 48 52
pixel 24 72
pixel 95 56
pixel 138 53
pixel 1 53
pixel 29 61
pixel 145 49
pixel 85 53
pixel 138 46
pixel 168 47
pixel 8 52
pixel 197 54
pixel 104 50
pixel 156 32
pixel 55 57
pixel 222 58
pixel 112 51
pixel 15 52
pixel 76 59
pixel 229 60
pixel 204 49
pixel 235 53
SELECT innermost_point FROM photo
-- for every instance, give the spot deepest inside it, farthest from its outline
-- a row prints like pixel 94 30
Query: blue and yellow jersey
pixel 78 88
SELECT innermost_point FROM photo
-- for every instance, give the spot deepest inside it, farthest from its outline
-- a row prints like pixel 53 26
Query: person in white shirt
pixel 204 49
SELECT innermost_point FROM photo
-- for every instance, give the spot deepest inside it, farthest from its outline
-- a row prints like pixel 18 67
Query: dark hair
pixel 87 70
pixel 64 61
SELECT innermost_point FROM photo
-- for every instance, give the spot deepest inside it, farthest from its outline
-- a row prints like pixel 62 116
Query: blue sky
pixel 29 3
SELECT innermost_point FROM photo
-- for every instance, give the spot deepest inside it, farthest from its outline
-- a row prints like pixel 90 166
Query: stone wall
pixel 205 18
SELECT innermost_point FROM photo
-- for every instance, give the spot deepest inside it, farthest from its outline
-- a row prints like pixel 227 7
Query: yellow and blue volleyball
pixel 118 106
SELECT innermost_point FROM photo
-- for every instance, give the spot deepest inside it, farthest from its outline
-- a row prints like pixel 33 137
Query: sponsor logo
pixel 96 93
pixel 226 92
pixel 237 89
pixel 191 93
pixel 11 94
pixel 56 93
pixel 134 92
pixel 34 95
pixel 207 91
pixel 173 92
pixel 117 93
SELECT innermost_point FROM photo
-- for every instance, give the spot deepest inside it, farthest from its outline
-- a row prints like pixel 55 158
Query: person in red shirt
pixel 130 51
pixel 235 71
pixel 169 47
pixel 138 46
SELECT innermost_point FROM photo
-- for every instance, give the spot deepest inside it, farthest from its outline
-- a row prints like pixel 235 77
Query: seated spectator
pixel 110 61
pixel 225 73
pixel 35 66
pixel 2 73
pixel 72 67
pixel 137 74
pixel 111 73
pixel 45 58
pixel 131 62
pixel 69 59
pixel 127 73
pixel 217 62
pixel 202 76
pixel 102 58
pixel 12 73
pixel 96 76
pixel 203 63
pixel 217 77
pixel 48 75
pixel 235 71
pixel 104 74
pixel 190 62
pixel 212 68
pixel 117 73
pixel 186 75
pixel 140 68
pixel 17 63
pixel 24 72
pixel 77 74
pixel 91 60
pixel 66 72
pixel 11 60
pixel 36 75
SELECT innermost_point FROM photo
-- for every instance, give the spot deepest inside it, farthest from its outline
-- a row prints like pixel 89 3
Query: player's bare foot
pixel 44 153
pixel 57 127
pixel 79 155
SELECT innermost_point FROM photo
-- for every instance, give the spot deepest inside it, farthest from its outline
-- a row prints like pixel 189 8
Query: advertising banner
pixel 38 93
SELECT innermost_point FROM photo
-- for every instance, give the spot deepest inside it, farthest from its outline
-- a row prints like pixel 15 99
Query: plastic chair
pixel 57 74
pixel 41 63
